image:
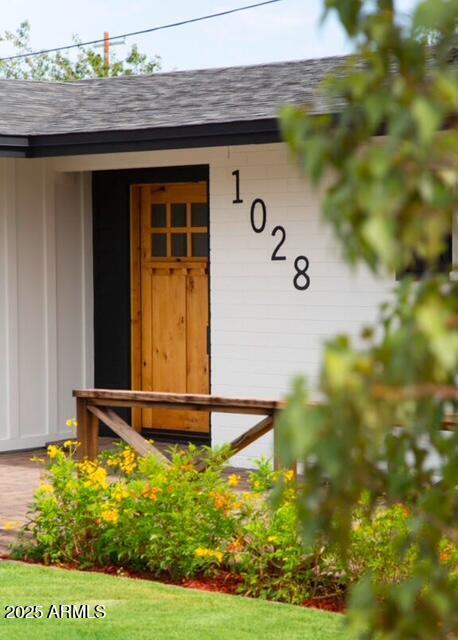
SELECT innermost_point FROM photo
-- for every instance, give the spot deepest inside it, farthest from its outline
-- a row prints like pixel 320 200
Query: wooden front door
pixel 170 293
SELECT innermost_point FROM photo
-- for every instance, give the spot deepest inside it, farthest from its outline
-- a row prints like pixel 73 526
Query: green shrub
pixel 273 563
pixel 378 542
pixel 381 546
pixel 165 520
pixel 174 522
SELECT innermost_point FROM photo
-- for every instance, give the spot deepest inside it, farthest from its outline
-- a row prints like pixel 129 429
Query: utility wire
pixel 137 33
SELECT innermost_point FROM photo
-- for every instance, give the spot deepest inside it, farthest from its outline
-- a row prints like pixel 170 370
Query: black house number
pixel 258 221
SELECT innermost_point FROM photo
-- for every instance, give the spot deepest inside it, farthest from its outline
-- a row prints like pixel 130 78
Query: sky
pixel 287 30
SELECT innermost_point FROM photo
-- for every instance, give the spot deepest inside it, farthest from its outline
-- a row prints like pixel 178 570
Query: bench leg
pixel 278 463
pixel 87 431
pixel 93 436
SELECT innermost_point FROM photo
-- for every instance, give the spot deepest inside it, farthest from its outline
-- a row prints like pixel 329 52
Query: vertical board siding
pixel 42 298
pixel 70 292
pixel 31 257
pixel 4 351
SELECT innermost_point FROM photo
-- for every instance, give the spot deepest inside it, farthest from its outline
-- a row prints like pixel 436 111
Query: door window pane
pixel 179 245
pixel 199 243
pixel 158 215
pixel 199 214
pixel 179 215
pixel 159 245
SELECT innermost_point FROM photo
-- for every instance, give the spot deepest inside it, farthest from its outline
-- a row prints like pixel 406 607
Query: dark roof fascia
pixel 14 146
pixel 184 137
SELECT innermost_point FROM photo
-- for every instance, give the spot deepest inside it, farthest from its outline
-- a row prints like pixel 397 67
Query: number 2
pixel 281 230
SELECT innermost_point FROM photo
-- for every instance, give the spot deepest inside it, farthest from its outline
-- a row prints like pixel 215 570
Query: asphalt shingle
pixel 162 99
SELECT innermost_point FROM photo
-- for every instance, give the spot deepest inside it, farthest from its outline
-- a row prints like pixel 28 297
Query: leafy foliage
pixel 133 513
pixel 60 67
pixel 389 159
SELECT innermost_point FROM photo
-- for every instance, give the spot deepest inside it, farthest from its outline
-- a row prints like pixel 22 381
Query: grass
pixel 143 610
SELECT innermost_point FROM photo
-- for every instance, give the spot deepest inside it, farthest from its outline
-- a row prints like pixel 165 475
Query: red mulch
pixel 336 604
pixel 223 582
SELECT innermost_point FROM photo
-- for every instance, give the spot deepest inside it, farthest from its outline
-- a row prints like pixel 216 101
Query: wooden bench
pixel 96 405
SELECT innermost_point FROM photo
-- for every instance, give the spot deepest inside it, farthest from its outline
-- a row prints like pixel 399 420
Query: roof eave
pixel 261 131
pixel 13 146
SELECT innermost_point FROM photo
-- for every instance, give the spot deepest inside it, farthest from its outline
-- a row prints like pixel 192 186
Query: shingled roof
pixel 183 109
pixel 183 98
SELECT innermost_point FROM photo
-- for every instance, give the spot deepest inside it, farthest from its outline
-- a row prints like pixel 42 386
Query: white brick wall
pixel 263 329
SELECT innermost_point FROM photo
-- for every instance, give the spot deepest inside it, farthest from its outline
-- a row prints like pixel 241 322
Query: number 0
pixel 262 226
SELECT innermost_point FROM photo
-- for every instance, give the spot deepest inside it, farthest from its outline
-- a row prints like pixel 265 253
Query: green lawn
pixel 139 609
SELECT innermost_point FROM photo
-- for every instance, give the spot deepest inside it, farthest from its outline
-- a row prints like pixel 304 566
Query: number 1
pixel 237 200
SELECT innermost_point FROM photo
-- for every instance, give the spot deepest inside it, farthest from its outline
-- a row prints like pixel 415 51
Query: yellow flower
pixel 11 524
pixel 120 492
pixel 201 552
pixel 71 423
pixel 289 475
pixel 68 444
pixel 45 488
pixel 96 476
pixel 272 539
pixel 128 461
pixel 110 515
pixel 233 480
pixel 36 459
pixel 53 451
pixel 87 466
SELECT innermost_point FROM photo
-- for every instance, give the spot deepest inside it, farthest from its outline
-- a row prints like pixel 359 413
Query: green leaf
pixel 427 117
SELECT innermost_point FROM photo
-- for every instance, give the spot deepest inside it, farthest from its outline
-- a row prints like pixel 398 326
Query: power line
pixel 137 33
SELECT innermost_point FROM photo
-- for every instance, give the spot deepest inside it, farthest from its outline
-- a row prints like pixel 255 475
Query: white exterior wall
pixel 263 330
pixel 45 294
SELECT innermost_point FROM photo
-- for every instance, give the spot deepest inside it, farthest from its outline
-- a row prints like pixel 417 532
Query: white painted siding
pixel 43 289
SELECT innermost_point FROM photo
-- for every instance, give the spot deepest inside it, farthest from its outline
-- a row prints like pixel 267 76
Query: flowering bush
pixel 145 516
pixel 130 512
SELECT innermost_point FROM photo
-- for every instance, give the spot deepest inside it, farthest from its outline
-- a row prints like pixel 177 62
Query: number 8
pixel 301 273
